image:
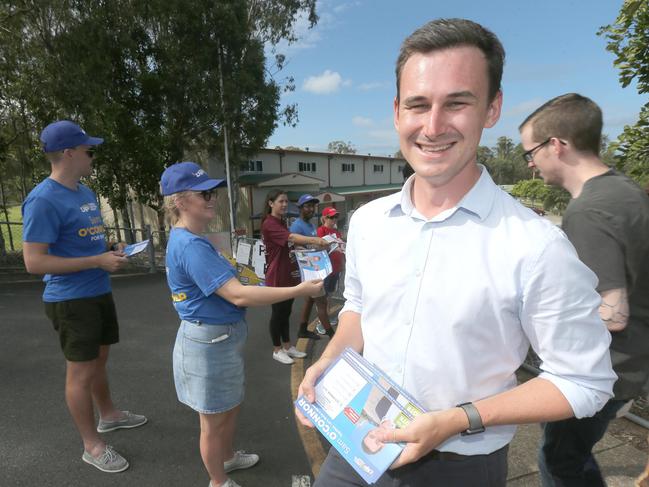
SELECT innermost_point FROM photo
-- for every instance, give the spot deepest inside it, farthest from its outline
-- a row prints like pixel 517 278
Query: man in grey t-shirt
pixel 607 221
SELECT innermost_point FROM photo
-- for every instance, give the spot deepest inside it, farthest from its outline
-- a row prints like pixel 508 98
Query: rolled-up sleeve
pixel 353 288
pixel 560 316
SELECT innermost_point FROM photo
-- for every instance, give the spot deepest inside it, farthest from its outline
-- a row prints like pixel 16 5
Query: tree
pixel 341 147
pixel 628 40
pixel 149 80
pixel 504 148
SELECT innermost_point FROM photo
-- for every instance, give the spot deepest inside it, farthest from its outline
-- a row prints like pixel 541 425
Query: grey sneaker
pixel 110 461
pixel 240 460
pixel 320 328
pixel 130 420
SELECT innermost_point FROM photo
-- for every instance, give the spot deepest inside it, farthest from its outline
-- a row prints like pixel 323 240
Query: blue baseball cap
pixel 187 176
pixel 307 198
pixel 64 134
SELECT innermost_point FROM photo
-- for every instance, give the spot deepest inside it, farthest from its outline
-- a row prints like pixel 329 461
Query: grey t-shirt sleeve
pixel 598 245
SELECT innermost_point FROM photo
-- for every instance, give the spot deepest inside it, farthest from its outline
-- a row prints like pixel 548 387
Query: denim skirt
pixel 208 365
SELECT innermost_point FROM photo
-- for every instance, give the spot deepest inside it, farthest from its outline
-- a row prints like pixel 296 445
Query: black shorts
pixel 84 325
pixel 330 282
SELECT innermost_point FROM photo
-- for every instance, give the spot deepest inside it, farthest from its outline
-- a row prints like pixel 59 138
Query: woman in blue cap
pixel 210 300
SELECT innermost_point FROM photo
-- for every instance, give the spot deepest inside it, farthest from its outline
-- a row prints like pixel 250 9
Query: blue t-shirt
pixel 195 270
pixel 303 228
pixel 70 223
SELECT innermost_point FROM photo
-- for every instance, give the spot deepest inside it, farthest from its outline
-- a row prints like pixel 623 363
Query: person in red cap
pixel 329 227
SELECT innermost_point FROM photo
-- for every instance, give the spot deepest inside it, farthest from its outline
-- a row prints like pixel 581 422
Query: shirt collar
pixel 478 200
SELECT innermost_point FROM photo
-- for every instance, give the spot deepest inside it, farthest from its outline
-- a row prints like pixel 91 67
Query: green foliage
pixel 628 40
pixel 341 147
pixel 504 161
pixel 536 192
pixel 160 80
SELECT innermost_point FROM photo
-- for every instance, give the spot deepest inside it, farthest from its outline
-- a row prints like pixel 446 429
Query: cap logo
pixel 199 173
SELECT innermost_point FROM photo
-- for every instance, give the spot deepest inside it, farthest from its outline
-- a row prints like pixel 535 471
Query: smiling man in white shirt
pixel 465 279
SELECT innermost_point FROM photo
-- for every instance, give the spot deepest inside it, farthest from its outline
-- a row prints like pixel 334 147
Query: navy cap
pixel 187 176
pixel 64 134
pixel 306 198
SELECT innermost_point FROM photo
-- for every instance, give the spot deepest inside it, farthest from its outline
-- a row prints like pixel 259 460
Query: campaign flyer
pixel 354 402
pixel 313 264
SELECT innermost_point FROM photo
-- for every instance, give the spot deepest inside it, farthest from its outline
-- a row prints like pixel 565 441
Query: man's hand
pixel 112 261
pixel 307 386
pixel 425 433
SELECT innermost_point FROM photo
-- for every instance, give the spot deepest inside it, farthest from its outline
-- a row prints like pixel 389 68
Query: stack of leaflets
pixel 136 248
pixel 336 243
pixel 313 264
pixel 354 401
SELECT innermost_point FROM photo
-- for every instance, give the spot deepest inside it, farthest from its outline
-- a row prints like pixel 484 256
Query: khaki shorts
pixel 84 325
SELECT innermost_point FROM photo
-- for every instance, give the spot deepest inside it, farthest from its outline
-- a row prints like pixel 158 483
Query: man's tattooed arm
pixel 614 309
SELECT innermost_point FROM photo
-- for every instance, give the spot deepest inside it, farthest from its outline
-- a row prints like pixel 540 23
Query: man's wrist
pixel 473 418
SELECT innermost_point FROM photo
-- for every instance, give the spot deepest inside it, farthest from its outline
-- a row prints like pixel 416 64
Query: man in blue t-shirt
pixel 303 226
pixel 64 238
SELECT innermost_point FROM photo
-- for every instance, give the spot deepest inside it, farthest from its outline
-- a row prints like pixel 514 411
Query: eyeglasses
pixel 333 217
pixel 528 156
pixel 207 195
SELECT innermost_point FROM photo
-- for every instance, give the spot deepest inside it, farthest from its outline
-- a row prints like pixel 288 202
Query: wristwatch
pixel 475 421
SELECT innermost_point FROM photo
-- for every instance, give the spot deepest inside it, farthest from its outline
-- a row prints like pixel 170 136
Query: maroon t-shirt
pixel 281 268
pixel 337 258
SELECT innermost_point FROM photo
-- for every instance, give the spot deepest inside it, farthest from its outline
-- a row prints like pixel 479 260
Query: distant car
pixel 537 210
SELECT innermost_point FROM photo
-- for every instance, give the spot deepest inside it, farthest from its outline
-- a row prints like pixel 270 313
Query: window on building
pixel 378 167
pixel 254 166
pixel 348 167
pixel 400 168
pixel 306 166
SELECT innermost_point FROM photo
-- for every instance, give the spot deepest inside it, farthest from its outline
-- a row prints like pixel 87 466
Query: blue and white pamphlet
pixel 136 248
pixel 354 401
pixel 313 264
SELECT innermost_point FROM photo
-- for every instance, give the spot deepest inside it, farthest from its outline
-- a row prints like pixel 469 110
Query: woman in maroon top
pixel 282 270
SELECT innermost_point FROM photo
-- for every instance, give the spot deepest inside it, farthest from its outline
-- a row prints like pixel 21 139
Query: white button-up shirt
pixel 450 305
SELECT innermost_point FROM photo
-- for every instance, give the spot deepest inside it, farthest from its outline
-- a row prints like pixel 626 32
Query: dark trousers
pixel 279 322
pixel 566 458
pixel 429 471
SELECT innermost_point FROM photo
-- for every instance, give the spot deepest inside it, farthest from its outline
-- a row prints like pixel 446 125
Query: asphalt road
pixel 39 445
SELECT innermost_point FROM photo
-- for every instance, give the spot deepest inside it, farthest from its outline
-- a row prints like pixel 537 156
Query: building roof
pixel 286 179
pixel 369 188
pixel 334 154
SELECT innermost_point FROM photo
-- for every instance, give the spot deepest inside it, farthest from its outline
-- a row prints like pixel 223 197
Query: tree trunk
pixel 128 226
pixel 118 232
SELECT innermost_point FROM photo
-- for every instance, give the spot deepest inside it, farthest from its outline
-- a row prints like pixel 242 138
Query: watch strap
pixel 475 421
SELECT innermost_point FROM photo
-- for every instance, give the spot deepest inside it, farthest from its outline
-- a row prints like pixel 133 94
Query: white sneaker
pixel 228 483
pixel 294 352
pixel 282 356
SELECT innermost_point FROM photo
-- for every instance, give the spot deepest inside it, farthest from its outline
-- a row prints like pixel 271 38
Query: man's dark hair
pixel 571 117
pixel 446 33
